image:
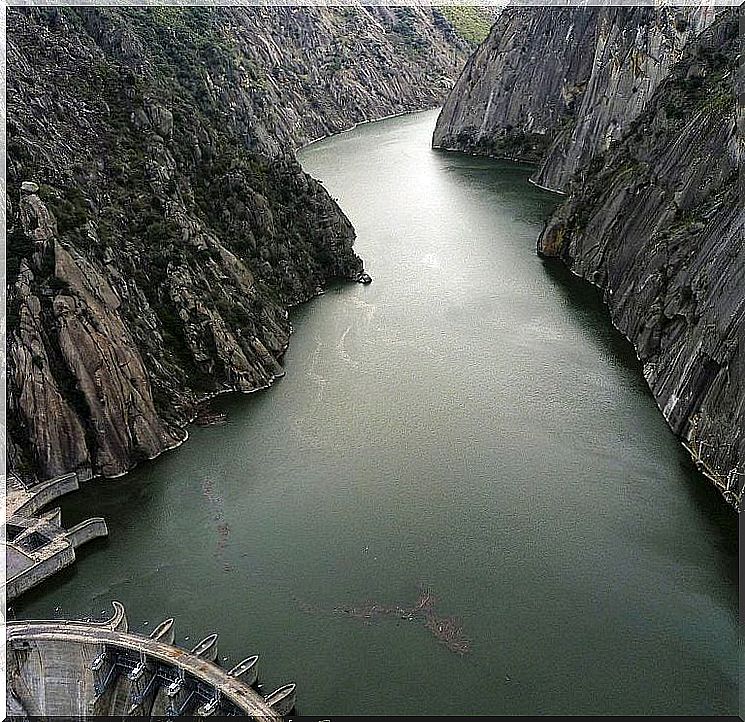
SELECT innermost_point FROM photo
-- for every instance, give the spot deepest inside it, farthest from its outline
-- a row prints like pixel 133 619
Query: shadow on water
pixel 120 501
pixel 587 300
pixel 465 161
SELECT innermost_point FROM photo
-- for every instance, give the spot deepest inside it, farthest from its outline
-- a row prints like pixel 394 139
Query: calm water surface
pixel 469 421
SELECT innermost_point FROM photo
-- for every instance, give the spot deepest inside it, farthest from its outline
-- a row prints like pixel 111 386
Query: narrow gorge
pixel 460 498
pixel 158 224
pixel 632 113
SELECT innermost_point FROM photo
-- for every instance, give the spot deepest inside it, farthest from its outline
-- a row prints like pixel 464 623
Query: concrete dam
pixel 81 669
pixel 36 544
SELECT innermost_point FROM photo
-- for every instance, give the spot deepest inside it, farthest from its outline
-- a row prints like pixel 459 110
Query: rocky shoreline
pixel 635 121
pixel 153 264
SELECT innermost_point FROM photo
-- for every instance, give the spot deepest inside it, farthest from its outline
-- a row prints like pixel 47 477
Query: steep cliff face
pixel 658 224
pixel 556 85
pixel 632 112
pixel 158 223
pixel 312 72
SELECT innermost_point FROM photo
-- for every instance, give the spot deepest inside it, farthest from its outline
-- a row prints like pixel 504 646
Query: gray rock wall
pixel 557 85
pixel 658 224
pixel 158 223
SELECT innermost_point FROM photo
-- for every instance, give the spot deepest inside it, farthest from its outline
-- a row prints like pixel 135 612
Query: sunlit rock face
pixel 158 224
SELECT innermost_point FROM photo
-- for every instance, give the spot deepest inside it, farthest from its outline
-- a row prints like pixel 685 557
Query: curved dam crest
pixel 470 422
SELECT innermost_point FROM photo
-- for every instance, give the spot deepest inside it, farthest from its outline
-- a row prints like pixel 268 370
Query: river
pixel 469 421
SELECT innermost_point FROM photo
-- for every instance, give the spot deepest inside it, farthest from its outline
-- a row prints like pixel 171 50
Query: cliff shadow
pixel 586 300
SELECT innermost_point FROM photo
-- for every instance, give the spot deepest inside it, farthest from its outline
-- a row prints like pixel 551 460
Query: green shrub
pixel 70 210
pixel 471 23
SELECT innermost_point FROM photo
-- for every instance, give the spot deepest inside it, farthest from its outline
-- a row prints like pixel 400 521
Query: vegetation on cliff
pixel 472 22
pixel 158 223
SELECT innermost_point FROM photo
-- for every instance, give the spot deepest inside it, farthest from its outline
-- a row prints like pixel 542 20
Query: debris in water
pixel 446 630
pixel 223 529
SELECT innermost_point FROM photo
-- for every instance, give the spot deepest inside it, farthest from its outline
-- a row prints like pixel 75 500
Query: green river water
pixel 470 421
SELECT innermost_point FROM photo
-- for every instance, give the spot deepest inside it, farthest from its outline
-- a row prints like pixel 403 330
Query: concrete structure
pixel 36 545
pixel 74 669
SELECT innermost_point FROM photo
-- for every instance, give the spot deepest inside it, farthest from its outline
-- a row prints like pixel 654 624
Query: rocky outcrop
pixel 632 113
pixel 557 85
pixel 158 223
pixel 312 73
pixel 55 435
pixel 658 224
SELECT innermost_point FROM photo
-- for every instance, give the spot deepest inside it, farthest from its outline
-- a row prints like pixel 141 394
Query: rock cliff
pixel 158 223
pixel 632 113
pixel 556 85
pixel 658 223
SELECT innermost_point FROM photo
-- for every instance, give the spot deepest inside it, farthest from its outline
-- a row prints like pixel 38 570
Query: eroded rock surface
pixel 159 225
pixel 556 85
pixel 633 113
pixel 658 223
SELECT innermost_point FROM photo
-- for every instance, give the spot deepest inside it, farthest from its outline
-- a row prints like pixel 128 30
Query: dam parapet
pixel 80 669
